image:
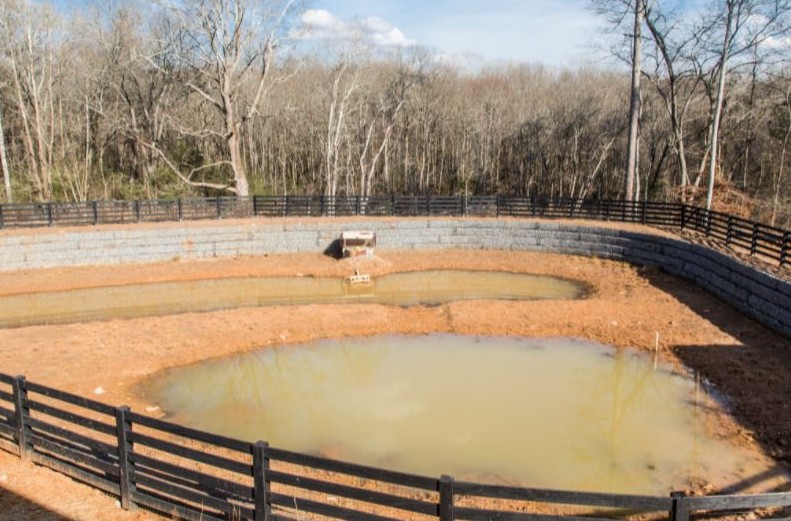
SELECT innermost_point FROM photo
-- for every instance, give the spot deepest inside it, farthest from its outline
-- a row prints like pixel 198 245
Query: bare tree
pixel 675 76
pixel 229 61
pixel 27 38
pixel 618 15
pixel 743 25
pixel 386 112
pixel 344 85
pixel 635 101
pixel 148 85
pixel 9 196
pixel 780 129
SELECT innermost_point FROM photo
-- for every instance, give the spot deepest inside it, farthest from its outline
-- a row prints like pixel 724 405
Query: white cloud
pixel 320 24
pixel 319 19
pixel 384 33
pixel 555 32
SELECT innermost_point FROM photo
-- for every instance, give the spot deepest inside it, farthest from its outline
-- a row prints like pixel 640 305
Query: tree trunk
pixel 779 181
pixel 237 163
pixel 781 170
pixel 9 197
pixel 672 99
pixel 233 135
pixel 715 126
pixel 682 158
pixel 634 105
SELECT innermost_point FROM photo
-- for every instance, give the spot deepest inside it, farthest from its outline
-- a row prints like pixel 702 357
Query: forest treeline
pixel 193 99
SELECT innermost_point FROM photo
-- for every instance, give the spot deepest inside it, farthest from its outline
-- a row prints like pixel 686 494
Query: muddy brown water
pixel 555 413
pixel 404 289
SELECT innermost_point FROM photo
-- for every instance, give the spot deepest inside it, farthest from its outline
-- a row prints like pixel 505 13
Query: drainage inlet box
pixel 358 243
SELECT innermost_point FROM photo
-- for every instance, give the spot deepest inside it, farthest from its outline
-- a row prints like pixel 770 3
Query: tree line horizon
pixel 191 98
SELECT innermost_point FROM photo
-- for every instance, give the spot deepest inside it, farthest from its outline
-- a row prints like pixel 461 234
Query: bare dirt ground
pixel 628 306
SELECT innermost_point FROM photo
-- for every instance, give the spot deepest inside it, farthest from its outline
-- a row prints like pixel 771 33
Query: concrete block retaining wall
pixel 757 294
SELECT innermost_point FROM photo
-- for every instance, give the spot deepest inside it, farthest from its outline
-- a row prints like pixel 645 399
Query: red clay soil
pixel 750 365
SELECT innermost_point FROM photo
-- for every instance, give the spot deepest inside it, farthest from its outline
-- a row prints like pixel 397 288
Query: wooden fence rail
pixel 758 239
pixel 193 475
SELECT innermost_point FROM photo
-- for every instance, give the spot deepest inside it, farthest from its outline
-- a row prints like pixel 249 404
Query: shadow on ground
pixel 14 507
pixel 753 374
pixel 756 482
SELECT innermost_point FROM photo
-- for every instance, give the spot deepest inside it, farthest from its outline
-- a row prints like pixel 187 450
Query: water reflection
pixel 549 413
pixel 424 287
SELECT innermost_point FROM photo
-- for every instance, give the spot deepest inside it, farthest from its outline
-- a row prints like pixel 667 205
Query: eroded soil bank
pixel 627 308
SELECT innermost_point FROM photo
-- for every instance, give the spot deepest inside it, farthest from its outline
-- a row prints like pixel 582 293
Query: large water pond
pixel 552 413
pixel 424 287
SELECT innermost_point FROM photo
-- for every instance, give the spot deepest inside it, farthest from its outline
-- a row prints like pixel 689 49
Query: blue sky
pixel 554 32
pixel 558 33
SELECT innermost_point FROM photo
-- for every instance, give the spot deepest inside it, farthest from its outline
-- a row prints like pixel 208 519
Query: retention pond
pixel 402 289
pixel 554 413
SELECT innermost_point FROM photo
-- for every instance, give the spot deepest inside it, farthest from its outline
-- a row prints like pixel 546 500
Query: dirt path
pixel 628 307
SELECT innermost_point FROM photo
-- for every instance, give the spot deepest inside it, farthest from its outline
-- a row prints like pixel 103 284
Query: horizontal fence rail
pixel 193 475
pixel 758 239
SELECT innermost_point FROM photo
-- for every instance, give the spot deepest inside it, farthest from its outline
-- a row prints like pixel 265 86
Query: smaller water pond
pixel 548 413
pixel 403 289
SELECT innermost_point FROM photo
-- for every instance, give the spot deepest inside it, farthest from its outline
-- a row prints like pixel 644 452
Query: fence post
pixel 607 210
pixel 357 205
pixel 754 240
pixel 392 205
pixel 219 207
pixel 644 203
pixel 708 223
pixel 729 232
pixel 181 210
pixel 683 216
pixel 95 205
pixel 137 210
pixel 464 203
pixel 261 488
pixel 123 428
pixel 21 411
pixel 784 249
pixel 1 216
pixel 679 511
pixel 49 214
pixel 446 500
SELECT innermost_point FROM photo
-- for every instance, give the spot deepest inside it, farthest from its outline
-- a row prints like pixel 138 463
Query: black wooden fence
pixel 759 239
pixel 193 475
